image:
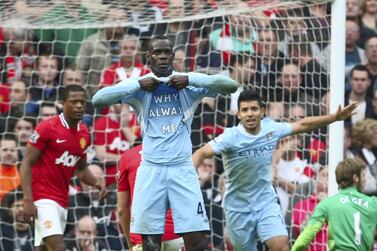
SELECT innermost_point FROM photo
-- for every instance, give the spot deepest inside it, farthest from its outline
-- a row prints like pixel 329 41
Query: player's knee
pixel 200 244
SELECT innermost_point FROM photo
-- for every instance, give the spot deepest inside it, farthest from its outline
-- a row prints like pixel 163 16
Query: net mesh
pixel 280 48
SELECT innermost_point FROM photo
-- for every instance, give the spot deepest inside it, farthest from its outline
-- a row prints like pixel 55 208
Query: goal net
pixel 280 48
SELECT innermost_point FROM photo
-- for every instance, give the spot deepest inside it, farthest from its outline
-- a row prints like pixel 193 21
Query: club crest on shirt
pixel 47 224
pixel 269 135
pixel 83 143
pixel 34 137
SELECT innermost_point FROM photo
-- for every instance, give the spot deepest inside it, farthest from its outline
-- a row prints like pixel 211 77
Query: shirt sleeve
pixel 39 138
pixel 306 236
pixel 284 129
pixel 123 184
pixel 220 143
pixel 215 83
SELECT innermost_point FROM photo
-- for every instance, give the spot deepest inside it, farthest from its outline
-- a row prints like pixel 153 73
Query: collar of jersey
pixel 65 123
pixel 242 129
pixel 351 189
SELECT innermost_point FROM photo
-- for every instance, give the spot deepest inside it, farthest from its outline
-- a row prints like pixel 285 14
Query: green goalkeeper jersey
pixel 351 217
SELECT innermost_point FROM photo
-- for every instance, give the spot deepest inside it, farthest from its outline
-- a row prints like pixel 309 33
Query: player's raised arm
pixel 218 83
pixel 201 154
pixel 310 123
pixel 32 154
pixel 86 176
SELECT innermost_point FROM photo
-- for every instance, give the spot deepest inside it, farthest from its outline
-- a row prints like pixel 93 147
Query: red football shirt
pixel 128 165
pixel 115 73
pixel 108 132
pixel 62 147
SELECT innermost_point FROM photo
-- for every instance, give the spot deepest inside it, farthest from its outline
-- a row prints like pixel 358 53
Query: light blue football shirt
pixel 247 160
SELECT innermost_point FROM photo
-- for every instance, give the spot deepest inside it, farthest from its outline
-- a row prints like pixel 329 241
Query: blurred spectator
pixel 44 85
pixel 14 233
pixel 65 42
pixel 19 95
pixel 47 110
pixel 291 90
pixel 242 69
pixel 9 175
pixel 203 54
pixel 353 13
pixel 373 113
pixel 72 76
pixel 87 202
pixel 290 170
pixel 22 128
pixel 297 30
pixel 235 37
pixel 360 82
pixel 113 136
pixel 137 12
pixel 369 12
pixel 276 111
pixel 364 138
pixel 305 208
pixel 179 62
pixel 4 99
pixel 20 54
pixel 129 66
pixel 270 59
pixel 314 76
pixel 100 50
pixel 318 22
pixel 349 152
pixel 371 54
pixel 84 237
pixel 212 200
pixel 354 54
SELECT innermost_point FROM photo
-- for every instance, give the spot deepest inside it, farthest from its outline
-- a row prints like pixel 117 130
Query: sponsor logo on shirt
pixel 67 159
pixel 264 150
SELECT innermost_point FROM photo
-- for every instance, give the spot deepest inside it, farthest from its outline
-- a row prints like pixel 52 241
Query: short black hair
pixel 71 88
pixel 249 95
pixel 8 136
pixel 239 58
pixel 159 37
pixel 360 67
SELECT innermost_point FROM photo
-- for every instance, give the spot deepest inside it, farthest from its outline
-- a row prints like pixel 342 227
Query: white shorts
pixel 51 220
pixel 171 245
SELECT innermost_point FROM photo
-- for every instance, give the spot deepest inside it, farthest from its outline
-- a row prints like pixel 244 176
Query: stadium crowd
pixel 285 59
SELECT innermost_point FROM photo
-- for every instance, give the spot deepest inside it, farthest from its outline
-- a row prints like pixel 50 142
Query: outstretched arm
pixel 113 94
pixel 306 236
pixel 218 83
pixel 87 177
pixel 310 123
pixel 201 154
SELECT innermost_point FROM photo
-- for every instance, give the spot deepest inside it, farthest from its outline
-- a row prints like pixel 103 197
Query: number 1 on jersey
pixel 356 221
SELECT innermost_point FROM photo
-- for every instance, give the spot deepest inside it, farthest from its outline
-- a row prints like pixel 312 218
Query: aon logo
pixel 119 144
pixel 67 160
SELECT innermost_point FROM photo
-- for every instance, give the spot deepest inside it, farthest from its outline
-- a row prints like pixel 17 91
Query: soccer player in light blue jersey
pixel 250 202
pixel 165 102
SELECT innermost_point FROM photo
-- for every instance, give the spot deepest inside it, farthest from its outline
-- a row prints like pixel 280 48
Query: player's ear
pixel 147 56
pixel 238 114
pixel 355 179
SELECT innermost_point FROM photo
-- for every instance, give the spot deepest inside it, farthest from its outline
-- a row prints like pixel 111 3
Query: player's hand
pixel 30 211
pixel 149 84
pixel 101 188
pixel 179 81
pixel 346 112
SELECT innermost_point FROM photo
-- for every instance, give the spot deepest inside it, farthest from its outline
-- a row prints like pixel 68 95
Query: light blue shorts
pixel 159 187
pixel 246 228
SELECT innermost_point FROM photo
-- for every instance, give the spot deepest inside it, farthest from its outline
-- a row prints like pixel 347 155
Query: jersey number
pixel 356 221
pixel 200 209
